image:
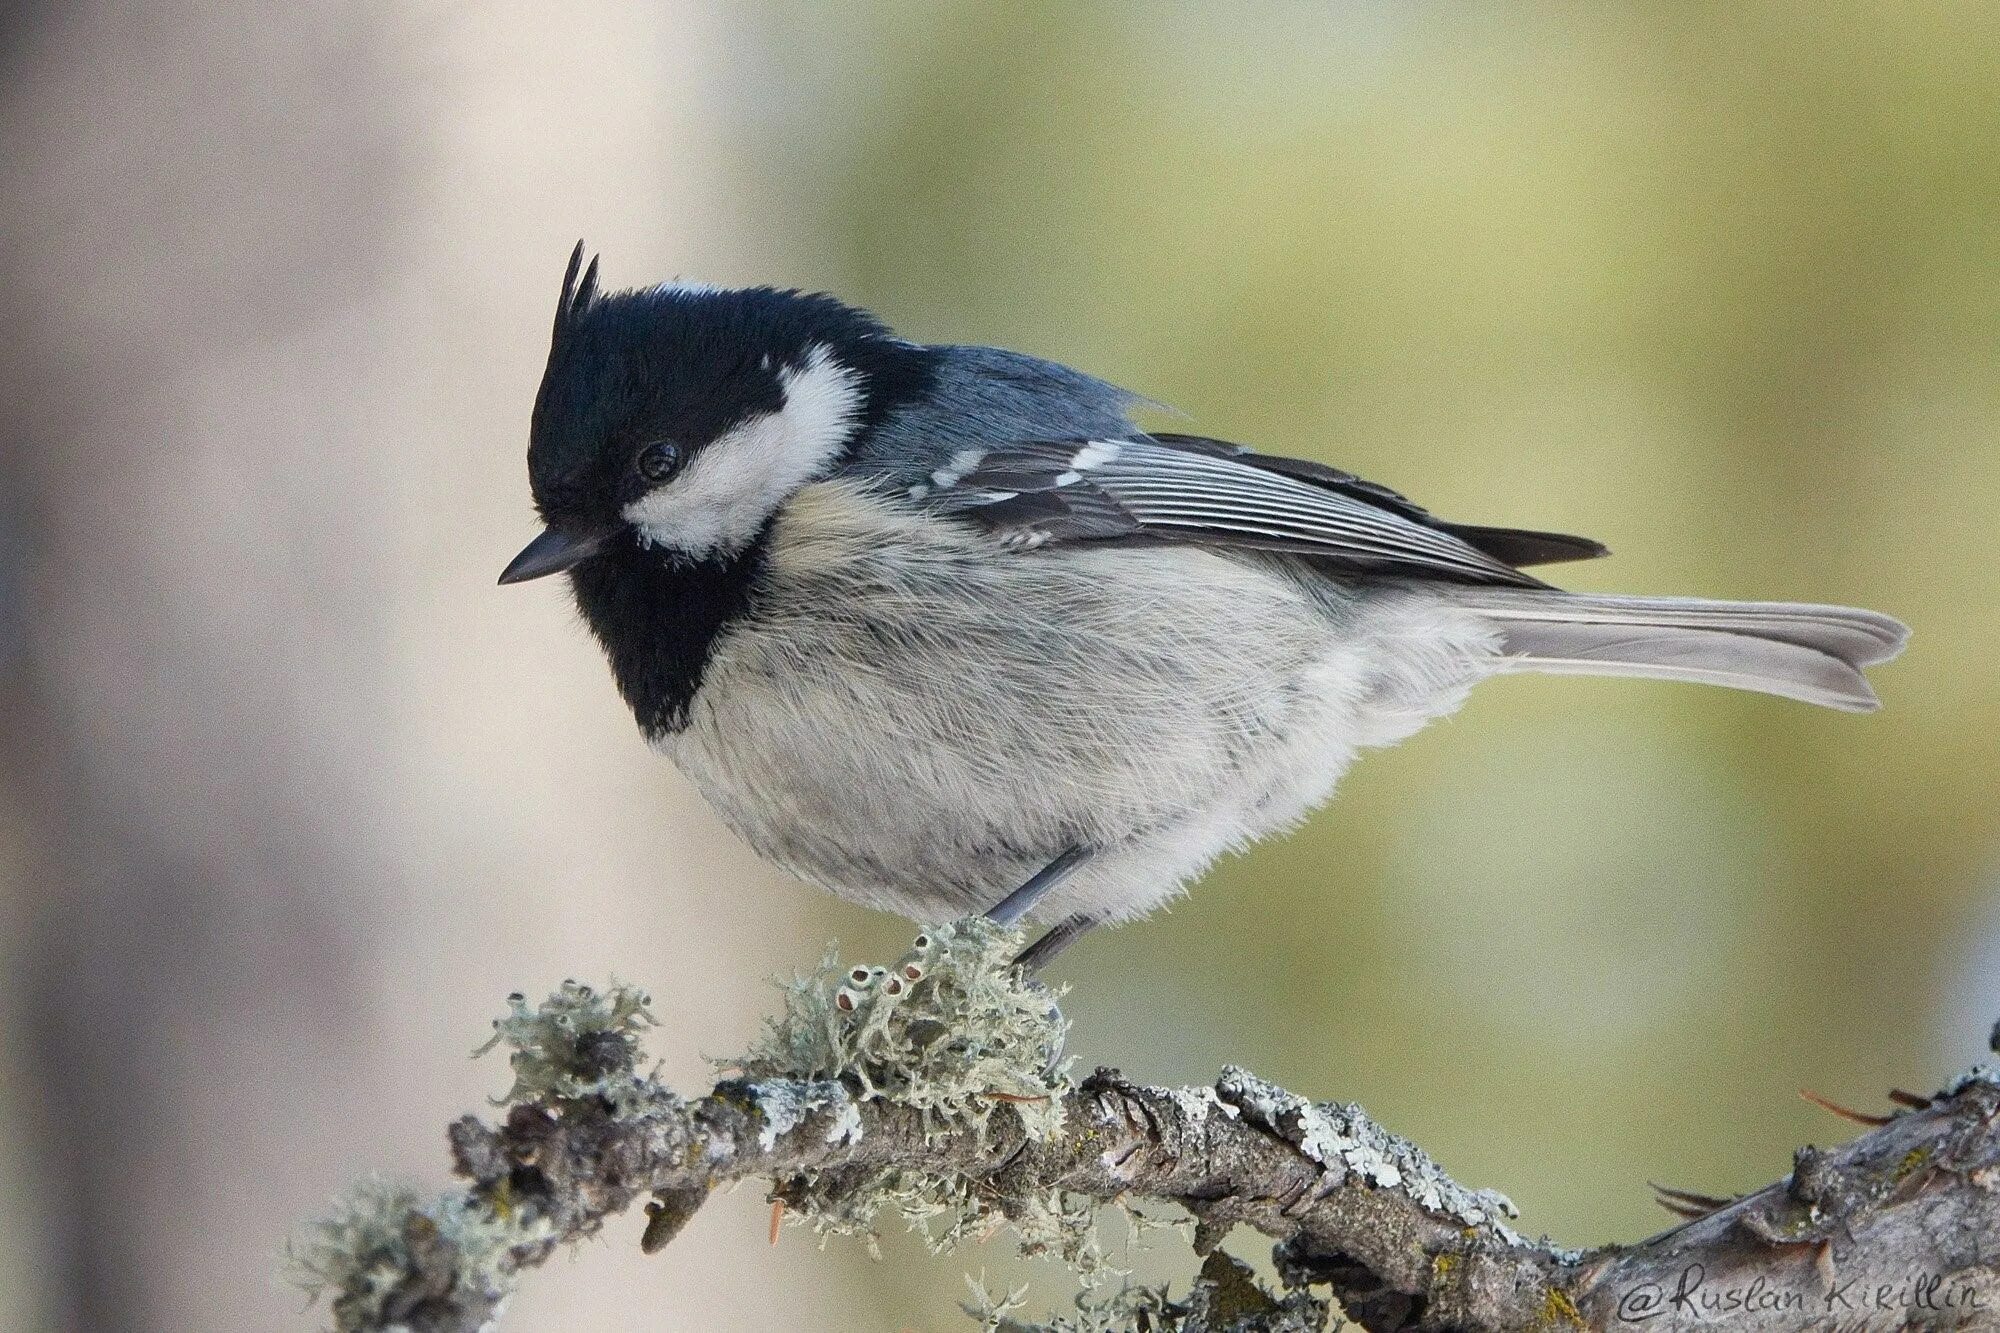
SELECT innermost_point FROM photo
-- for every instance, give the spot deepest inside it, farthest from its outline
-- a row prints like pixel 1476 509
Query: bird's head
pixel 682 417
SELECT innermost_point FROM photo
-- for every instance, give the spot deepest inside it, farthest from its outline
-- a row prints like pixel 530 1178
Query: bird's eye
pixel 659 461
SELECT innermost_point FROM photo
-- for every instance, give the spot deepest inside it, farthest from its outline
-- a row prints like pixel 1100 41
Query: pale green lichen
pixel 578 1043
pixel 945 1211
pixel 1226 1298
pixel 1345 1141
pixel 1096 1311
pixel 952 1029
pixel 386 1246
pixel 784 1104
pixel 386 1249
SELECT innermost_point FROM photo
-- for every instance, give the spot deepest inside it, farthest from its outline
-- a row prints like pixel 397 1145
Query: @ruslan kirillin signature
pixel 1693 1296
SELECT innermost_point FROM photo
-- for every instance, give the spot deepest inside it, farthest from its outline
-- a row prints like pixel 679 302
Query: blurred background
pixel 291 795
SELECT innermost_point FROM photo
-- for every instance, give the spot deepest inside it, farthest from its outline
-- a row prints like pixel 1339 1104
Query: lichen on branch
pixel 578 1043
pixel 952 1031
pixel 389 1257
pixel 936 1090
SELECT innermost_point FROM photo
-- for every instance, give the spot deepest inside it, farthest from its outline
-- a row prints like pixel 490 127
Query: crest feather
pixel 577 296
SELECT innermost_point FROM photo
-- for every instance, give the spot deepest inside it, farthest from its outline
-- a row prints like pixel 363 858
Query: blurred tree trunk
pixel 277 280
pixel 175 725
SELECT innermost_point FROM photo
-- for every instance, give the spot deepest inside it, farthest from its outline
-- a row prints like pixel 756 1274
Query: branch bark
pixel 1896 1229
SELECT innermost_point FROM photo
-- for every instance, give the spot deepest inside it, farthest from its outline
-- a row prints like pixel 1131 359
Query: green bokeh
pixel 1716 283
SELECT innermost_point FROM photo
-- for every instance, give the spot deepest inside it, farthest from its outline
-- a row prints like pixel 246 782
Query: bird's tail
pixel 1794 649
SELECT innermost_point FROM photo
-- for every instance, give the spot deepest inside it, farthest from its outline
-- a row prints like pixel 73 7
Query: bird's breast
pixel 906 705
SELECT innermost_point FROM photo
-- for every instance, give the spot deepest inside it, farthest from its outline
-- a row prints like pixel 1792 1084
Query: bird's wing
pixel 1181 488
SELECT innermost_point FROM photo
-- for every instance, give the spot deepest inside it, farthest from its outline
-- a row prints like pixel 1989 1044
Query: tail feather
pixel 1793 649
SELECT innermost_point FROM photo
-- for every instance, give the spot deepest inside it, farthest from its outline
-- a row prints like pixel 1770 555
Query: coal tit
pixel 939 629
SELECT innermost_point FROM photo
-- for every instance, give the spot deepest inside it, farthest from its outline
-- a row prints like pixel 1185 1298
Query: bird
pixel 940 629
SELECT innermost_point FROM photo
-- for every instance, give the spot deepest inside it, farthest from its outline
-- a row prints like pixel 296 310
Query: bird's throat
pixel 658 619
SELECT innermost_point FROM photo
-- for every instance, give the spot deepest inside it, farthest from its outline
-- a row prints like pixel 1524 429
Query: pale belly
pixel 917 719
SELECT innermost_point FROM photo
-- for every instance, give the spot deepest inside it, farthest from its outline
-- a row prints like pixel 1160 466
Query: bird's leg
pixel 1009 910
pixel 1059 937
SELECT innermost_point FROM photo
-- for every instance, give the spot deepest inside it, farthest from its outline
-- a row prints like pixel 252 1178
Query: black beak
pixel 554 551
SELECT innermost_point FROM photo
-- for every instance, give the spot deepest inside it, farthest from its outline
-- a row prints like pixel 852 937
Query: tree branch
pixel 1895 1229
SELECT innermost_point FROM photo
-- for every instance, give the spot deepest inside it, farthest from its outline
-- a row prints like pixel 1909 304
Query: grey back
pixel 985 397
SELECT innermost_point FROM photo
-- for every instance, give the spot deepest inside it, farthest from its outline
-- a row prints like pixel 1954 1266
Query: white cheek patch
pixel 733 486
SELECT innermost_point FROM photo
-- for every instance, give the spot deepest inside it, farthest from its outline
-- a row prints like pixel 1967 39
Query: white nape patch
pixel 961 463
pixel 1095 454
pixel 738 481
